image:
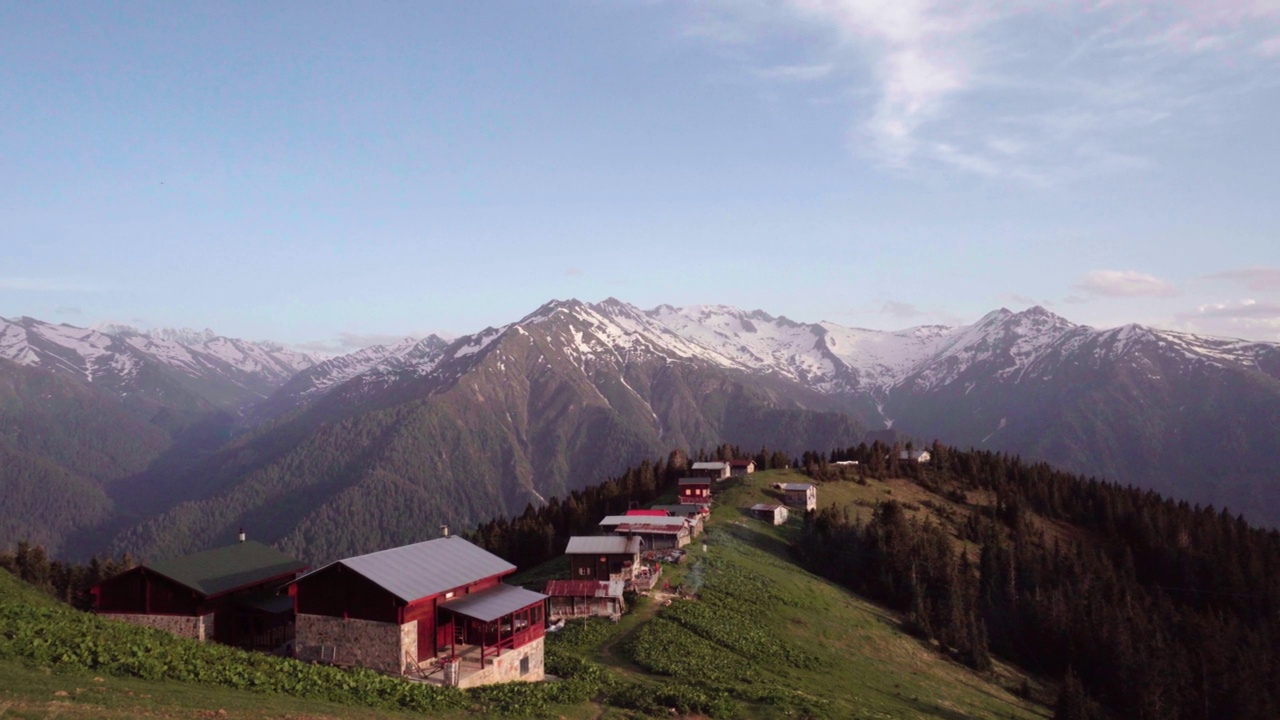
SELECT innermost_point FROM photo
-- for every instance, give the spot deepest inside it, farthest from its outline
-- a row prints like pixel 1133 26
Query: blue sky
pixel 330 174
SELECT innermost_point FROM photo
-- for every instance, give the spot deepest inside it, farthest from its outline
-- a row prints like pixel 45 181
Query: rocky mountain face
pixel 381 446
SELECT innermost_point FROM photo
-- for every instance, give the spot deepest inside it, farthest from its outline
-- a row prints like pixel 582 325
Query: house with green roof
pixel 227 594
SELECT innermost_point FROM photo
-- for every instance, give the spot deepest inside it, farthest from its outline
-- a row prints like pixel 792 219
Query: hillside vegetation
pixel 765 639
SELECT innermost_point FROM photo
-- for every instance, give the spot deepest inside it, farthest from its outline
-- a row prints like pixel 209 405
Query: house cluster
pixel 436 611
pixel 627 553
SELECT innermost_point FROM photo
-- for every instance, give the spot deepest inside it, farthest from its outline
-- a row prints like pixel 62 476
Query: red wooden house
pixel 227 594
pixel 695 491
pixel 433 607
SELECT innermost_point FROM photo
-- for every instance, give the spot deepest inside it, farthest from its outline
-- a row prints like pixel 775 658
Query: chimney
pixel 240 537
pixel 444 531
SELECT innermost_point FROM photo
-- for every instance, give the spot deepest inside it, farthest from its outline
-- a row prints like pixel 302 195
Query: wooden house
pixel 800 495
pixel 570 599
pixel 604 557
pixel 227 594
pixel 739 468
pixel 657 533
pixel 773 513
pixel 695 491
pixel 714 470
pixel 436 610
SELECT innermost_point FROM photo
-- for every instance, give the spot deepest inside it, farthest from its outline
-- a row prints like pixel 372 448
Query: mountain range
pixel 163 442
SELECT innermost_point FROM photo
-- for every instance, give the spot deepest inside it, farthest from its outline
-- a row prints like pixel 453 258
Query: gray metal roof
pixel 638 519
pixel 695 481
pixel 766 507
pixel 602 545
pixel 415 571
pixel 796 486
pixel 491 604
pixel 709 466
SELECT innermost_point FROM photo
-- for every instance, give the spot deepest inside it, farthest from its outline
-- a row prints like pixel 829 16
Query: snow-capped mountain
pixel 224 372
pixel 824 357
pixel 1105 401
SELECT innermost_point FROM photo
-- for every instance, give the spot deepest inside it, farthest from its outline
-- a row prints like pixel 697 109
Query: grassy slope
pixel 857 662
pixel 863 665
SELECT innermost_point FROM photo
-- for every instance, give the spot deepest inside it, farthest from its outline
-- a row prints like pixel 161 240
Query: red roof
pixel 577 588
pixel 648 513
pixel 740 463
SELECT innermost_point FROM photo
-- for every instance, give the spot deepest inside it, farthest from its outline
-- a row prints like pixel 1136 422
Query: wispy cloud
pixel 1010 88
pixel 900 310
pixel 1124 283
pixel 795 73
pixel 33 284
pixel 1259 279
pixel 1244 318
pixel 346 342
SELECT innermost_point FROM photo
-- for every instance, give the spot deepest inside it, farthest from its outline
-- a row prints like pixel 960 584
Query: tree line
pixel 68 582
pixel 1146 607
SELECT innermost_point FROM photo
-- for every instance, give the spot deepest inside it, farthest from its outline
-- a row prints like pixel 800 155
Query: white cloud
pixel 1124 283
pixel 1245 318
pixel 1254 278
pixel 900 310
pixel 1034 91
pixel 796 73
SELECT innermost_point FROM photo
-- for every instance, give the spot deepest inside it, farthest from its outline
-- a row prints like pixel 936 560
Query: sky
pixel 331 175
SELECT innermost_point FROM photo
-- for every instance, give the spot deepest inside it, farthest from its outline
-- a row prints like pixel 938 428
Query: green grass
pixel 765 639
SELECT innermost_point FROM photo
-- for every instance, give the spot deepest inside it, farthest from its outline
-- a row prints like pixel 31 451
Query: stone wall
pixel 506 667
pixel 387 647
pixel 196 627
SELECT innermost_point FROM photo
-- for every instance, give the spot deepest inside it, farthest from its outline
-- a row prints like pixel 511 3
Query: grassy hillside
pixel 765 639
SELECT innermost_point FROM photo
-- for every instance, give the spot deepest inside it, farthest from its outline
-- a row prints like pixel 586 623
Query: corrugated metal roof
pixel 415 571
pixel 648 513
pixel 224 569
pixel 491 604
pixel 695 481
pixel 602 545
pixel 708 466
pixel 651 528
pixel 621 519
pixel 796 486
pixel 766 507
pixel 585 588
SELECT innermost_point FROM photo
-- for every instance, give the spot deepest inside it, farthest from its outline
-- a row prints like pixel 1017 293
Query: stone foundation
pixel 386 647
pixel 506 667
pixel 196 627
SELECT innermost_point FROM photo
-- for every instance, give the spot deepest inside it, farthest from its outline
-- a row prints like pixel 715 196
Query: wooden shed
pixel 773 513
pixel 800 495
pixel 570 599
pixel 603 557
pixel 715 470
pixel 739 468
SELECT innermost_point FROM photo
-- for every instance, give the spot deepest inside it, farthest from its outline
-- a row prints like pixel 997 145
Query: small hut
pixel 773 513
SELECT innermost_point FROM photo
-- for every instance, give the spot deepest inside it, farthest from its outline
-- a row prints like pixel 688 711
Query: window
pixel 524 665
